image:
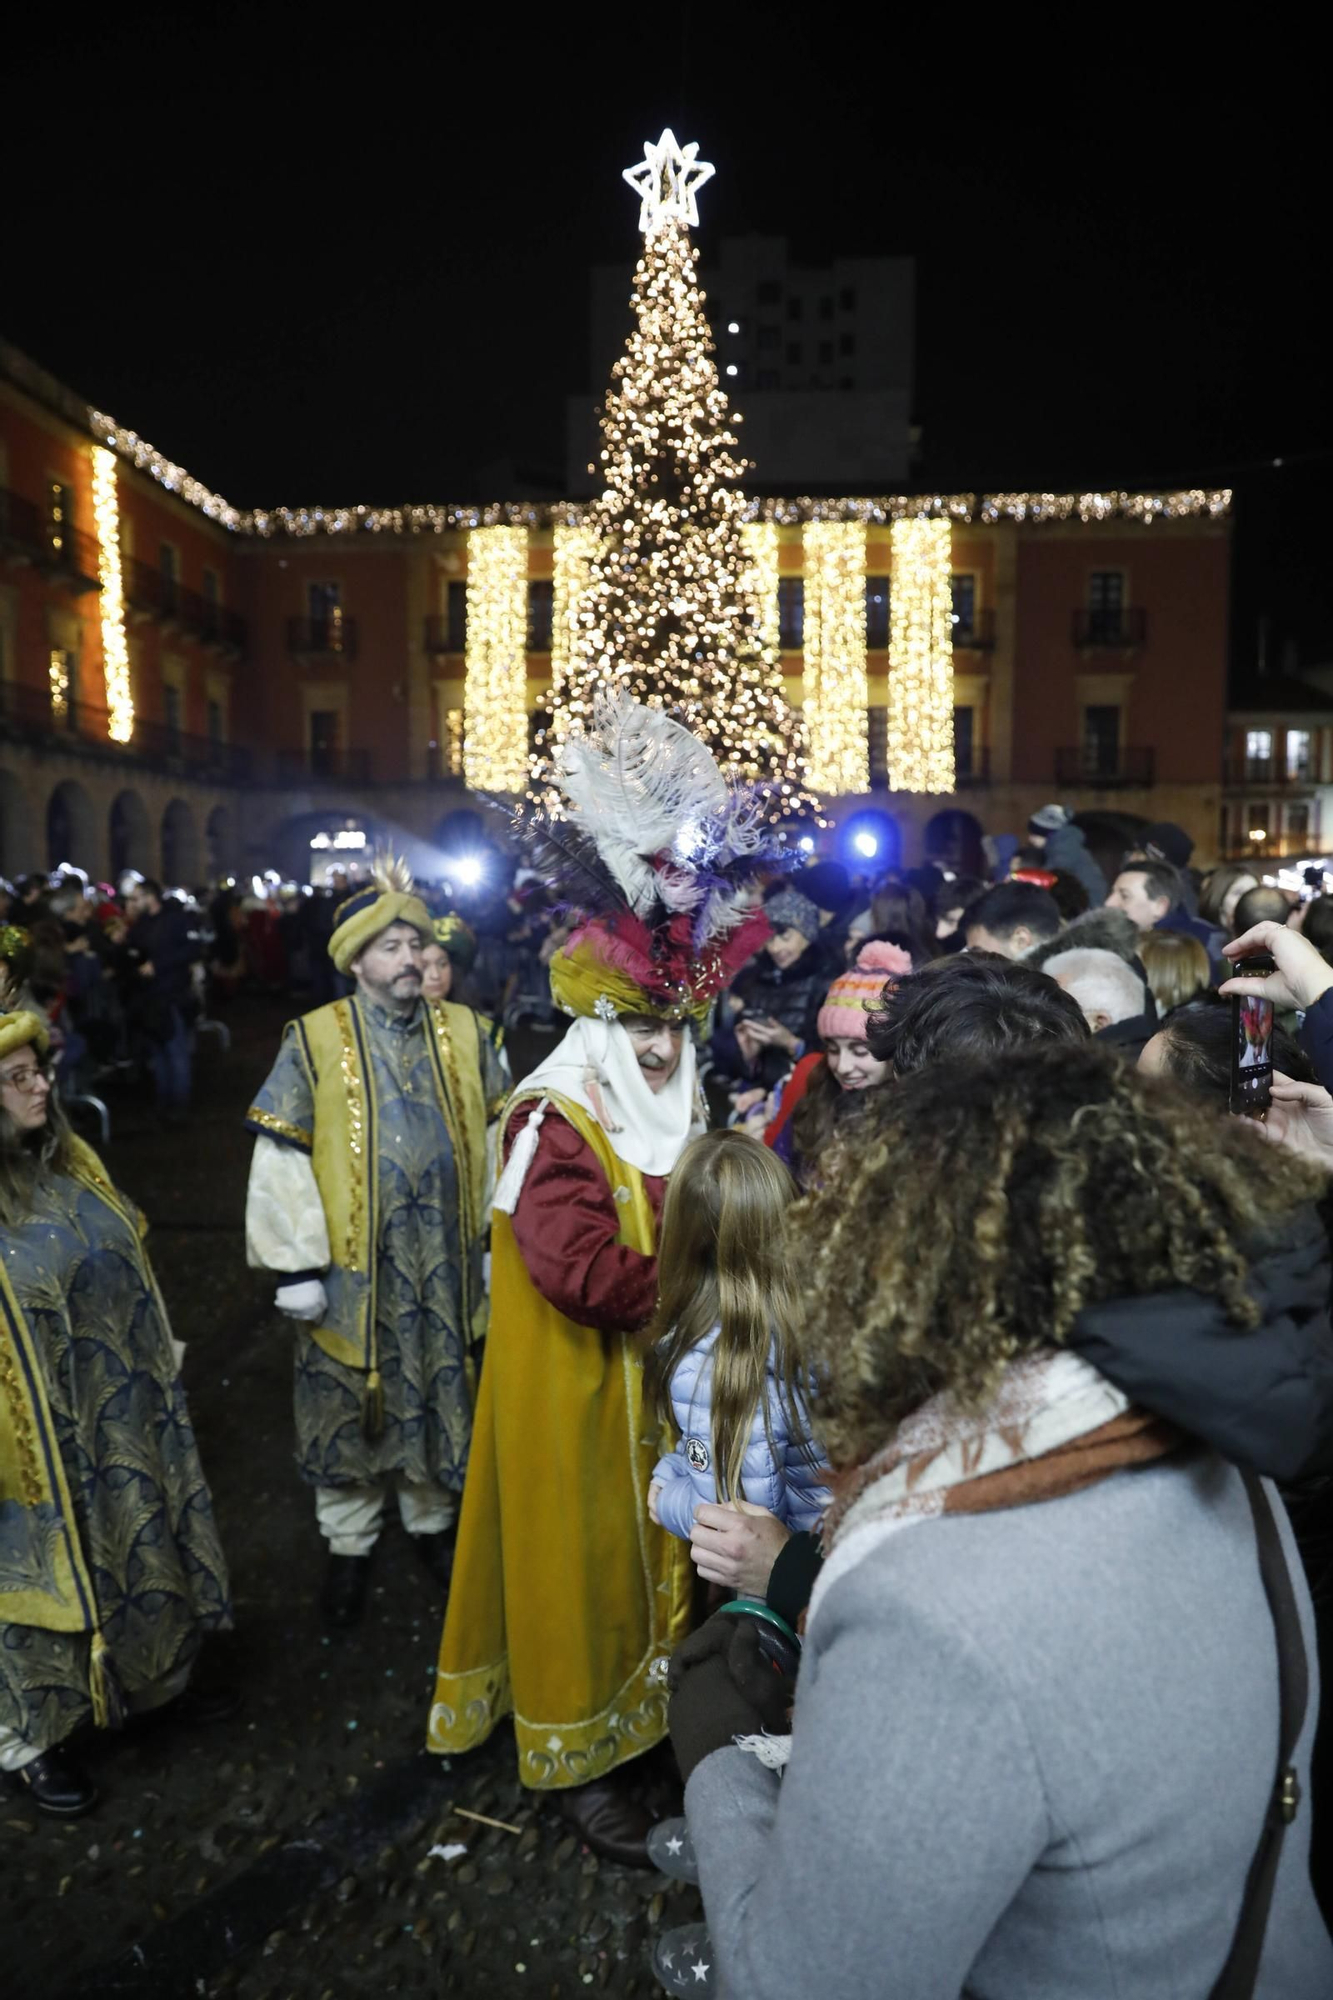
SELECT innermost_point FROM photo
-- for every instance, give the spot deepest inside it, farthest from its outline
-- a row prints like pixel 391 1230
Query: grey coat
pixel 1031 1757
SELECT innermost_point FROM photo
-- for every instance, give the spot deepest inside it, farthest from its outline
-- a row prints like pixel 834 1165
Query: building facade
pixel 297 675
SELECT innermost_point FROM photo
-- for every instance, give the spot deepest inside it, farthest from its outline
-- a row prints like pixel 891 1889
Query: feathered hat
pixel 388 898
pixel 661 854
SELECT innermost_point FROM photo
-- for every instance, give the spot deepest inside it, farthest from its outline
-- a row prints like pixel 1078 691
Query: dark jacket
pixel 168 942
pixel 792 996
pixel 1208 935
pixel 1131 1037
pixel 1317 1037
pixel 1067 850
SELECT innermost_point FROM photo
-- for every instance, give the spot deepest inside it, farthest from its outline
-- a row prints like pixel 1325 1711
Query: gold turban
pixel 388 898
pixel 18 1030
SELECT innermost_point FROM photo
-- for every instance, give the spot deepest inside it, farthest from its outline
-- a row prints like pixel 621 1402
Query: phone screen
pixel 1252 1045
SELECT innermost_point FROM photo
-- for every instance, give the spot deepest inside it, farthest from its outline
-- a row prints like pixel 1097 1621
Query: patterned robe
pixel 140 1503
pixel 421 1338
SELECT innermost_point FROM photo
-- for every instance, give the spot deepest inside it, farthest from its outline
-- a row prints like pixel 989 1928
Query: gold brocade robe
pixel 565 1597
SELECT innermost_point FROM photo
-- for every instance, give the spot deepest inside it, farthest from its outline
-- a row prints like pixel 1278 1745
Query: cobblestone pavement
pixel 288 1852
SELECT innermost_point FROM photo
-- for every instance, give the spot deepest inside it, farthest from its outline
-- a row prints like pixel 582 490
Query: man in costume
pixel 566 1598
pixel 110 1569
pixel 365 1196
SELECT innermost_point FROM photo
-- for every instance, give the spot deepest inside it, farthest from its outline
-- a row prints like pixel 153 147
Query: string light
pixel 58 677
pixel 453 742
pixel 115 647
pixel 572 550
pixel 919 722
pixel 836 686
pixel 759 539
pixel 495 692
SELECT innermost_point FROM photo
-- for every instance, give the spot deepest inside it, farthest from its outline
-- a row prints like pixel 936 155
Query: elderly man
pixel 366 1198
pixel 566 1596
pixel 1112 997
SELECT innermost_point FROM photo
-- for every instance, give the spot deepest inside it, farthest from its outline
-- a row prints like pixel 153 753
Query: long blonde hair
pixel 723 1261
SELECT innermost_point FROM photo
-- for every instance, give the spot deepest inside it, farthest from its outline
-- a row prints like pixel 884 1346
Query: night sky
pixel 317 268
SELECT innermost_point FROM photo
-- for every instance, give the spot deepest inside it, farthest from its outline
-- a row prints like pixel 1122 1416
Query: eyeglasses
pixel 26 1080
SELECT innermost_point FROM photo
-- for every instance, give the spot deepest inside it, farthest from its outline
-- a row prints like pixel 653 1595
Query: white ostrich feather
pixel 635 782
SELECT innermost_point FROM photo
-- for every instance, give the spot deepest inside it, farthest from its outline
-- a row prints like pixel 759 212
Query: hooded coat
pixel 1067 850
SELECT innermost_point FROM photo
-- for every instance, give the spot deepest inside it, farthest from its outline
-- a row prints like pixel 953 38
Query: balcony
pixel 1101 768
pixel 80 729
pixel 322 638
pixel 1258 774
pixel 976 771
pixel 444 635
pixel 323 767
pixel 150 593
pixel 1112 630
pixel 29 535
pixel 977 636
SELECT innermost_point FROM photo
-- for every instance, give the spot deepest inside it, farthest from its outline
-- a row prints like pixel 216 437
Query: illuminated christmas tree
pixel 676 597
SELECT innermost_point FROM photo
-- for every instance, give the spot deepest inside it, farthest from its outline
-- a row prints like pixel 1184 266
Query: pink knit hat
pixel 860 992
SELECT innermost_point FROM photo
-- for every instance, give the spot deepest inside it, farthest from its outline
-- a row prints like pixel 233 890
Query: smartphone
pixel 1251 1041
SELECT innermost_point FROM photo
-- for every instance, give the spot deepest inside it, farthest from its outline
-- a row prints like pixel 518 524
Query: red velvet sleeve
pixel 566 1224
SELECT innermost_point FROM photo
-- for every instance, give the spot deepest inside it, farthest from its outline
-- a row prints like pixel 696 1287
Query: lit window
pixel 1258 746
pixel 1298 753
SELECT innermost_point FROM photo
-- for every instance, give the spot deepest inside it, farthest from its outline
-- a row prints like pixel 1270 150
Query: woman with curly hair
pixel 1033 1747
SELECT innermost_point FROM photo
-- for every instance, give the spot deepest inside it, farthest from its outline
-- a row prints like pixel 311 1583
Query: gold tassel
pixel 372 1410
pixel 108 1708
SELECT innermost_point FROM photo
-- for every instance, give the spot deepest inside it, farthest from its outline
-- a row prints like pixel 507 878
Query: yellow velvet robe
pixel 566 1600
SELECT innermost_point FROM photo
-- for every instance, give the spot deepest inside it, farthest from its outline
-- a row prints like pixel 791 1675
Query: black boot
pixel 55 1784
pixel 437 1553
pixel 609 1817
pixel 343 1598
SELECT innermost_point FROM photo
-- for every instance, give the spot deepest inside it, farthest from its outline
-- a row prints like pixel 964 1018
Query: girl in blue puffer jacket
pixel 721 1361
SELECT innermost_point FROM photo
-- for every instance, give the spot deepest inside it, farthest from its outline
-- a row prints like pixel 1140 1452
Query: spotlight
pixel 806 844
pixel 469 871
pixel 866 844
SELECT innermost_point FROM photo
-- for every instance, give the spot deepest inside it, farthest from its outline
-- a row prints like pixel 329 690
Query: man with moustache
pixel 365 1197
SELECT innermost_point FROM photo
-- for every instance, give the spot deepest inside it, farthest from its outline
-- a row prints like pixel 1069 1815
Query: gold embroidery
pixel 354 1086
pixel 22 1426
pixel 279 1127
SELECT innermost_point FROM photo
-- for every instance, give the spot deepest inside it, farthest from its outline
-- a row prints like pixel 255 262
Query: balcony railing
pixel 444 635
pixel 332 637
pixel 975 772
pixel 27 532
pixel 977 635
pixel 1104 768
pixel 1115 629
pixel 1261 775
pixel 153 594
pixel 28 716
pixel 323 767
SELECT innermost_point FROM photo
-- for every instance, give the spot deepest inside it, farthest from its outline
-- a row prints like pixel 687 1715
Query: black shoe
pixel 610 1818
pixel 55 1785
pixel 343 1598
pixel 437 1553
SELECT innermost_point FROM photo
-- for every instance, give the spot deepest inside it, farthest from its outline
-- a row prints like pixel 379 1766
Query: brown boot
pixel 610 1818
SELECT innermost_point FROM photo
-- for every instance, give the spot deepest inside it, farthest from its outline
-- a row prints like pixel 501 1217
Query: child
pixel 721 1358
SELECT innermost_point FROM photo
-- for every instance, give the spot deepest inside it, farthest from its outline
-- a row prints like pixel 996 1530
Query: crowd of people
pixel 668 1239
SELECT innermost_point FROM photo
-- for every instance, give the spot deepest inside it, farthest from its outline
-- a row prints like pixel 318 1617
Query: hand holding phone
pixel 1252 1040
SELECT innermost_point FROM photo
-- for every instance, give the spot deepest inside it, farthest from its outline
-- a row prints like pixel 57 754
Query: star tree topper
pixel 667 183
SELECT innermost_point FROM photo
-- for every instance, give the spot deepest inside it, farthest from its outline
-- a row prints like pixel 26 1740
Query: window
pixel 846 343
pixel 794 308
pixel 1298 828
pixel 171 713
pixel 63 679
pixel 826 353
pixel 766 378
pixel 964 740
pixel 1258 753
pixel 964 590
pixel 1298 753
pixel 214 722
pixel 877 612
pixel 826 308
pixel 541 604
pixel 769 291
pixel 794 353
pixel 1106 604
pixel 770 337
pixel 61 517
pixel 324 732
pixel 452 758
pixel 1101 742
pixel 847 298
pixel 168 568
pixel 846 382
pixel 877 746
pixel 455 618
pixel 791 613
pixel 212 593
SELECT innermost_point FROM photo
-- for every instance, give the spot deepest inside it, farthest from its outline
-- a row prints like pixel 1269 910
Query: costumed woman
pixel 111 1572
pixel 566 1597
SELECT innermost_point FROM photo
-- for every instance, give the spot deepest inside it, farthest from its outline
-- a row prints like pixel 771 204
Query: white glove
pixel 304 1300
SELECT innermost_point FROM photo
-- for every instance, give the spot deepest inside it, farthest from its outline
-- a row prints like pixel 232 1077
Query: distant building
pixel 818 361
pixel 1278 771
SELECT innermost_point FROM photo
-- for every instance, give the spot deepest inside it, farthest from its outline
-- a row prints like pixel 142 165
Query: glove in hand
pixel 723 1687
pixel 305 1300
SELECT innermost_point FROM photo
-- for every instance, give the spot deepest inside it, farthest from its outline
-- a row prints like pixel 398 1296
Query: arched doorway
pixel 180 845
pixel 311 846
pixel 131 836
pixel 953 838
pixel 220 841
pixel 16 844
pixel 71 827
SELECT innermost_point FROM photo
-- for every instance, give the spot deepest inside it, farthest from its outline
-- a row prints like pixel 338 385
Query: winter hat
pixel 790 910
pixel 859 993
pixel 827 884
pixel 1166 841
pixel 1049 819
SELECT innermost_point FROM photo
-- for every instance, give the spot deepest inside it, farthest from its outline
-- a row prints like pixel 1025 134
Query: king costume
pixel 566 1597
pixel 111 1572
pixel 366 1198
